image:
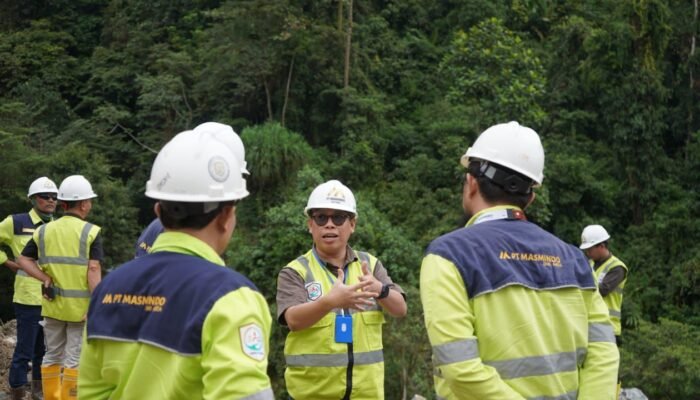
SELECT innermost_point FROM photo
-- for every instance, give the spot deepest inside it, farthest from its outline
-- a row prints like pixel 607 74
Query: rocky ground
pixel 8 333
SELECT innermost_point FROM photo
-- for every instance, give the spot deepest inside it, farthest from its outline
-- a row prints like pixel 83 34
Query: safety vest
pixel 64 247
pixel 529 297
pixel 204 326
pixel 27 289
pixel 317 366
pixel 614 299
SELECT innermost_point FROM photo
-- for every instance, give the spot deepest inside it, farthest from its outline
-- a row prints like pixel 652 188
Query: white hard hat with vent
pixel 196 168
pixel 332 195
pixel 593 235
pixel 74 188
pixel 42 185
pixel 511 145
pixel 229 137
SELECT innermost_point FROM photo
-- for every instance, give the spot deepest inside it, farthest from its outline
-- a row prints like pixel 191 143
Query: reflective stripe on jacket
pixel 64 250
pixel 614 299
pixel 317 366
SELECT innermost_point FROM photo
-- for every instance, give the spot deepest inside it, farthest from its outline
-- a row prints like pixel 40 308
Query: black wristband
pixel 385 292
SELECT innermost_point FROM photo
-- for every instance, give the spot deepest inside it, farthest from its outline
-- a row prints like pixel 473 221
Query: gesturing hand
pixel 374 284
pixel 355 296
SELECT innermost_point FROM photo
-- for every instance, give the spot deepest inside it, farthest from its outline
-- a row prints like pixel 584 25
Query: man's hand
pixel 374 284
pixel 48 290
pixel 355 296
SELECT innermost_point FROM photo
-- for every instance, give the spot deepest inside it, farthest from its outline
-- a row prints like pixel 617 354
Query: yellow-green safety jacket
pixel 63 248
pixel 613 299
pixel 15 232
pixel 319 368
pixel 512 312
pixel 177 325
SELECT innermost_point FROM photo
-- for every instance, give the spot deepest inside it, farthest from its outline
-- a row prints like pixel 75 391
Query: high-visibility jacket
pixel 512 312
pixel 176 324
pixel 317 366
pixel 15 232
pixel 613 299
pixel 63 248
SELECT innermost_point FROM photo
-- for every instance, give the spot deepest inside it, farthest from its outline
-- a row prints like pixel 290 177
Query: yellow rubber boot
pixel 69 387
pixel 51 381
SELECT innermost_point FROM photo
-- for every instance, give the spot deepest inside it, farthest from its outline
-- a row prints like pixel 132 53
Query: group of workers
pixel 511 311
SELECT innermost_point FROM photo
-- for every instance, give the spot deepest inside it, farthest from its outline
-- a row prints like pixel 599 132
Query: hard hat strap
pixel 510 181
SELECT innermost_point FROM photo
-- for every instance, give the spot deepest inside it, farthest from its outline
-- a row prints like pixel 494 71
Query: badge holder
pixel 343 328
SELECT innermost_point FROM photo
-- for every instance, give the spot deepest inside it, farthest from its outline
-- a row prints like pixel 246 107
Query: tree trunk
pixel 268 100
pixel 286 91
pixel 348 44
pixel 691 83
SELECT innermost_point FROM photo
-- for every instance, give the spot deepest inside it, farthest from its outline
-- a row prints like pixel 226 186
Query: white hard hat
pixel 227 135
pixel 593 235
pixel 511 145
pixel 42 185
pixel 333 195
pixel 196 168
pixel 74 188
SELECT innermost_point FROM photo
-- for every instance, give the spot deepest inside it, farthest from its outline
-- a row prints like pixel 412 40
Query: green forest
pixel 385 96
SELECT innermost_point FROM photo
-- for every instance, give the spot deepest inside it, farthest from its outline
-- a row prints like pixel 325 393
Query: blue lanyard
pixel 331 278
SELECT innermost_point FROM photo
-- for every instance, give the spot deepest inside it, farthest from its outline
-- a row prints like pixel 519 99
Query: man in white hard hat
pixel 15 232
pixel 512 312
pixel 610 272
pixel 228 137
pixel 332 299
pixel 176 323
pixel 65 255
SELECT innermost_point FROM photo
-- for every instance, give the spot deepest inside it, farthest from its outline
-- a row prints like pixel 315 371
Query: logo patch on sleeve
pixel 313 290
pixel 252 341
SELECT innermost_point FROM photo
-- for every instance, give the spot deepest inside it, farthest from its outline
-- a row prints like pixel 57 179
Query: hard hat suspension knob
pixel 505 178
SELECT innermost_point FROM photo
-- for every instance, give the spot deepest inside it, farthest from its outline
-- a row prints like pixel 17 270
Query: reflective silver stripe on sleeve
pixel 80 294
pixel 566 396
pixel 265 394
pixel 615 313
pixel 601 333
pixel 309 276
pixel 41 246
pixel 21 272
pixel 539 365
pixel 448 353
pixel 333 360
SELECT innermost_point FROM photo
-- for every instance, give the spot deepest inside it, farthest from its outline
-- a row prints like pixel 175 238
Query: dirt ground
pixel 8 334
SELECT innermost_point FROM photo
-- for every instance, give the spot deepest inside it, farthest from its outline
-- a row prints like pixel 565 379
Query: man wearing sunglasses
pixel 15 232
pixel 512 311
pixel 66 256
pixel 332 299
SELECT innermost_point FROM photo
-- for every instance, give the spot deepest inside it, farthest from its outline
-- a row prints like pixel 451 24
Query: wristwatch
pixel 385 292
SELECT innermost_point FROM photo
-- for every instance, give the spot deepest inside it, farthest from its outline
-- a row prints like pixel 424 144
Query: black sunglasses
pixel 47 196
pixel 322 219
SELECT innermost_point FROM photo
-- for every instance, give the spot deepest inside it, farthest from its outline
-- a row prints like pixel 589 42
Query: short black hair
pixel 495 193
pixel 181 215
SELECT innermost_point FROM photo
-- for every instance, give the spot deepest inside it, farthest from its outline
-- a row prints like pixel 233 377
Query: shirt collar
pixel 350 256
pixel 495 213
pixel 35 217
pixel 178 242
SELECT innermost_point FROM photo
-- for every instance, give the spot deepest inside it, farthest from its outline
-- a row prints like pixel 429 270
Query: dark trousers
pixel 30 345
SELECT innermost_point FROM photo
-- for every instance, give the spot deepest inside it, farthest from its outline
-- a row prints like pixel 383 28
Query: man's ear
pixel 156 209
pixel 472 186
pixel 226 218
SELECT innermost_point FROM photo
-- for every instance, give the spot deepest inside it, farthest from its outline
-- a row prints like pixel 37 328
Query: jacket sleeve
pixel 6 235
pixel 450 321
pixel 235 347
pixel 598 375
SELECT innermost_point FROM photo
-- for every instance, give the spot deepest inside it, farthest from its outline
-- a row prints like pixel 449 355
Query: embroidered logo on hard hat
pixel 336 195
pixel 313 290
pixel 218 169
pixel 252 341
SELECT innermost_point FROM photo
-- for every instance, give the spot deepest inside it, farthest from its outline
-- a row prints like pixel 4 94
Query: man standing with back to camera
pixel 176 323
pixel 512 312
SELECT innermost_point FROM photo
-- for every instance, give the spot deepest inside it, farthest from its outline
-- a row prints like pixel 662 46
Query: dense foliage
pixel 96 87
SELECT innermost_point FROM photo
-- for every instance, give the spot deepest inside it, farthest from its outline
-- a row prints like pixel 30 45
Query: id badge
pixel 343 329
